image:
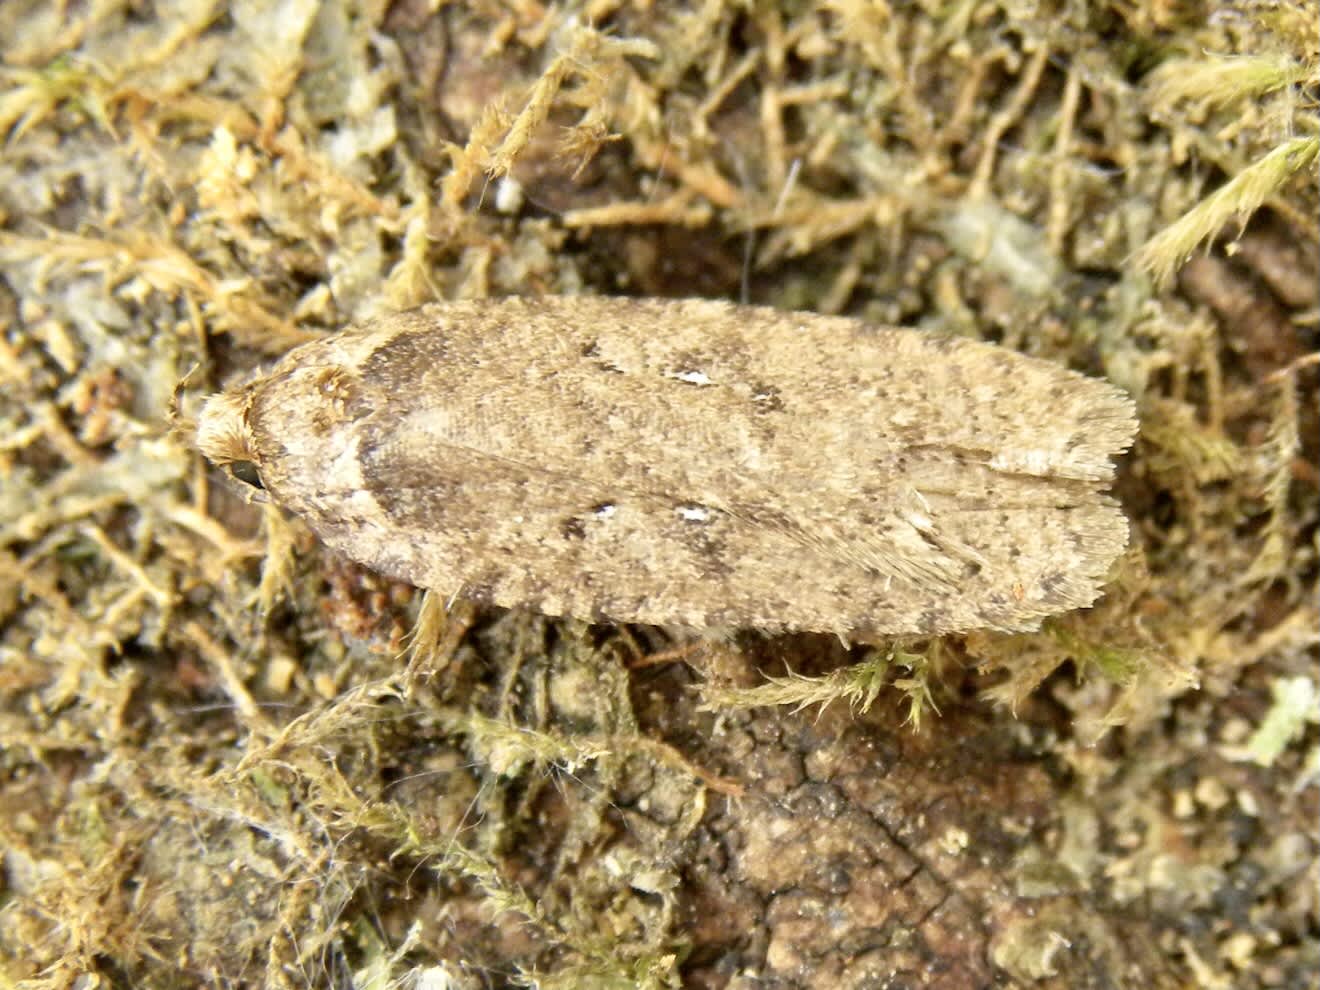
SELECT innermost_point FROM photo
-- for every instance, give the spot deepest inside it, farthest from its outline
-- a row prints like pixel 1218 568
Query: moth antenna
pixel 181 425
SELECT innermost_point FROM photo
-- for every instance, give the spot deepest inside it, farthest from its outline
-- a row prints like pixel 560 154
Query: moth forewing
pixel 694 463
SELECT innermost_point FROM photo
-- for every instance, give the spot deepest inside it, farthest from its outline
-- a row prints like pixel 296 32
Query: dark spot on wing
pixel 480 591
pixel 932 620
pixel 766 398
pixel 711 554
pixel 394 364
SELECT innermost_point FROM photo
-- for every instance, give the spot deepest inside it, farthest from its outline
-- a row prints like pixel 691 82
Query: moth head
pixel 224 435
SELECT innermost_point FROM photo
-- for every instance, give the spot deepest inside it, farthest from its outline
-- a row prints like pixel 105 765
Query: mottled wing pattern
pixel 699 464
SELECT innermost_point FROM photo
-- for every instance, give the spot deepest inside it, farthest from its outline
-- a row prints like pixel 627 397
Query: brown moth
pixel 693 463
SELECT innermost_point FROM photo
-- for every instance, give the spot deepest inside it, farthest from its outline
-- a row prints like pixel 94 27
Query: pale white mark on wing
pixel 1036 461
pixel 692 377
pixel 921 522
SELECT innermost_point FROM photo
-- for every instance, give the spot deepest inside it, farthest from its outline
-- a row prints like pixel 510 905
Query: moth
pixel 694 464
